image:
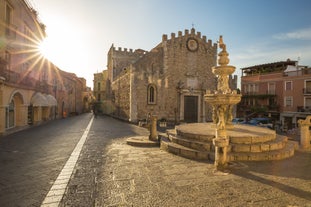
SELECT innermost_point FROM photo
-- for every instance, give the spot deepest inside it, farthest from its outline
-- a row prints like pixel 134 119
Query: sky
pixel 80 32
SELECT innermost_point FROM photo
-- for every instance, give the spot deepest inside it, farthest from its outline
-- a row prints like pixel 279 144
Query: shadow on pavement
pixel 271 173
pixel 283 187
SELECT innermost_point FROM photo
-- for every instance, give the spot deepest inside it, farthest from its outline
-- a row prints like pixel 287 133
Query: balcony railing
pixel 271 92
pixel 261 108
pixel 303 108
pixel 14 78
pixel 259 96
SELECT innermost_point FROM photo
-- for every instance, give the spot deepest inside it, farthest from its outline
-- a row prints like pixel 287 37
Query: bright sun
pixel 44 49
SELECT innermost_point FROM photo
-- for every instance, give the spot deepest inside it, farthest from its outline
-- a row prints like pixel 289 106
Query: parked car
pixel 262 122
pixel 237 120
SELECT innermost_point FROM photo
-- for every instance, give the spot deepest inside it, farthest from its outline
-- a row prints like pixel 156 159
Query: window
pixel 245 88
pixel 308 102
pixel 288 85
pixel 151 94
pixel 98 97
pixel 307 86
pixel 288 101
pixel 271 88
pixel 98 86
pixel 8 19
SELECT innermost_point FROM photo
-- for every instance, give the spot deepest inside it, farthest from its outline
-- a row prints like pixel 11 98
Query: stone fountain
pixel 222 100
pixel 221 141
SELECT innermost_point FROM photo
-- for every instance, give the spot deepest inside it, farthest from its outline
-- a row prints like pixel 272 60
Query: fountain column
pixel 222 101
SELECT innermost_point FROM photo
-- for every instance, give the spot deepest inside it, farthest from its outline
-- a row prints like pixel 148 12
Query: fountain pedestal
pixel 221 143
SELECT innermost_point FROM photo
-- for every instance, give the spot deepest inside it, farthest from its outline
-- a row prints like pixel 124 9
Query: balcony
pixel 259 108
pixel 14 78
pixel 267 95
pixel 304 109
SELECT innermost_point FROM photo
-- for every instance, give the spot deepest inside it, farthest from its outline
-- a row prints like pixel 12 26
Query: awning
pixel 51 100
pixel 39 100
pixel 290 68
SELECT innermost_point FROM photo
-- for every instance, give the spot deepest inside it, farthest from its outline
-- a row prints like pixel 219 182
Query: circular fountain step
pixel 279 154
pixel 275 144
pixel 248 143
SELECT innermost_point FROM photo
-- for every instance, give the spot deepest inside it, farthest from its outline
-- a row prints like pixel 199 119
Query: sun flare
pixel 44 48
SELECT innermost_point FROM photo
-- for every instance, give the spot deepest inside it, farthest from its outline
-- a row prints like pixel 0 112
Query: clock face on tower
pixel 192 44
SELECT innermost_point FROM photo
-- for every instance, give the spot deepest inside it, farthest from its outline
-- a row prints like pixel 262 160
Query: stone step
pixel 256 138
pixel 278 143
pixel 196 145
pixel 195 136
pixel 183 151
pixel 279 154
pixel 275 154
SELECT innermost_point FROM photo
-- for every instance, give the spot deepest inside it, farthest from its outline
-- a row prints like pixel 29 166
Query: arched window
pixel 151 94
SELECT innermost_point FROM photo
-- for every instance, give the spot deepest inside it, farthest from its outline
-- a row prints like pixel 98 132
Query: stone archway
pixel 15 111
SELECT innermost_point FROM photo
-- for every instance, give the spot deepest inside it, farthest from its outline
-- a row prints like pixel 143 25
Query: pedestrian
pixel 95 110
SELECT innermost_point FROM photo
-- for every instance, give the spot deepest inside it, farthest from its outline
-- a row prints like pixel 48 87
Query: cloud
pixel 268 52
pixel 302 34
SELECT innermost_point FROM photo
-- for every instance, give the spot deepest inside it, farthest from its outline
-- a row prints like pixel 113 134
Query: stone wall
pixel 178 67
pixel 121 96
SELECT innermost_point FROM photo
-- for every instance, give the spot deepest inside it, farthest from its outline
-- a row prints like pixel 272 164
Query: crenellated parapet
pixel 127 51
pixel 120 58
pixel 188 34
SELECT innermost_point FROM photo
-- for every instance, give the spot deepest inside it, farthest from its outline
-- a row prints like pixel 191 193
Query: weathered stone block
pixel 241 140
pixel 241 148
pixel 274 146
pixel 202 156
pixel 188 153
pixel 255 148
pixel 173 149
pixel 265 147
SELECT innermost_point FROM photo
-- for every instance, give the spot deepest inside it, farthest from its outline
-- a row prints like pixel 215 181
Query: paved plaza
pixel 134 176
pixel 122 175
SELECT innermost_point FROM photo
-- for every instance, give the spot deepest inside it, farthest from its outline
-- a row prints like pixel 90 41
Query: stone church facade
pixel 169 81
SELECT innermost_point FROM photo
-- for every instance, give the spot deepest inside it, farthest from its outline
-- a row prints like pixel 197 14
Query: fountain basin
pixel 222 99
pixel 223 70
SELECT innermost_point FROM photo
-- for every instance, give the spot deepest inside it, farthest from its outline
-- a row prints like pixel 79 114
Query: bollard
pixel 304 137
pixel 153 129
pixel 305 133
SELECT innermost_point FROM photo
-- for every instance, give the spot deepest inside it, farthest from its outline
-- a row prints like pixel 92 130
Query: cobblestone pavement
pixel 112 173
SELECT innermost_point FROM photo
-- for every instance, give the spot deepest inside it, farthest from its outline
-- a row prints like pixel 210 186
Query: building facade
pixel 169 81
pixel 100 91
pixel 279 90
pixel 32 89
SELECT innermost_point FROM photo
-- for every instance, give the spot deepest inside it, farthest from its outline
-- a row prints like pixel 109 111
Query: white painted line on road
pixel 57 191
